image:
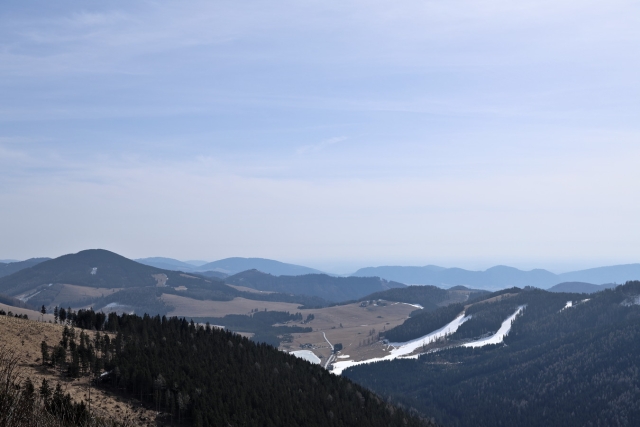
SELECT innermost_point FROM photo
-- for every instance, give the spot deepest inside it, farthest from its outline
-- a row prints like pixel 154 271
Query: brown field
pixel 357 323
pixel 196 308
pixel 245 289
pixel 70 293
pixel 25 336
pixel 33 315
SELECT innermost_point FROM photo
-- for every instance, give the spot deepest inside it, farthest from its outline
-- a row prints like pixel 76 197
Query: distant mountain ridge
pixel 124 283
pixel 334 289
pixel 231 266
pixel 7 269
pixel 580 287
pixel 500 277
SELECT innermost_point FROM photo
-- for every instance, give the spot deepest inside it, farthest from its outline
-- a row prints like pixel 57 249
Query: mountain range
pixel 101 278
pixel 494 278
pixel 334 289
pixel 231 266
pixel 500 277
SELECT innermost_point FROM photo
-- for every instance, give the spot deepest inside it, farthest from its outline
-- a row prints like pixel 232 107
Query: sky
pixel 334 134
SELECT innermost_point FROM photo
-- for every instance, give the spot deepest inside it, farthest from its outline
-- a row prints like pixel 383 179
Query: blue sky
pixel 333 134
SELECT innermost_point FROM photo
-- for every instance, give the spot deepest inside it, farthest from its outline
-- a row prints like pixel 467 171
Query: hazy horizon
pixel 341 267
pixel 331 134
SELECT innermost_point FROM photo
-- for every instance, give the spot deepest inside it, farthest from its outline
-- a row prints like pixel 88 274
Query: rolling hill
pixel 148 371
pixel 230 266
pixel 167 264
pixel 429 297
pixel 335 289
pixel 500 277
pixel 524 357
pixel 580 287
pixel 102 279
pixel 236 265
pixel 7 269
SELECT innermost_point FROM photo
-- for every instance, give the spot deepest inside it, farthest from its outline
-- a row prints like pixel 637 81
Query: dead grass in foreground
pixel 25 336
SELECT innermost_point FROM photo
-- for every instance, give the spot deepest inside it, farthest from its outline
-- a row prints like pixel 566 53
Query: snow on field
pixel 498 337
pixel 403 350
pixel 307 355
pixel 413 305
pixel 28 297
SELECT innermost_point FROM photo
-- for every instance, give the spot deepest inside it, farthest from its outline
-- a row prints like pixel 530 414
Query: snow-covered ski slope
pixel 498 337
pixel 404 349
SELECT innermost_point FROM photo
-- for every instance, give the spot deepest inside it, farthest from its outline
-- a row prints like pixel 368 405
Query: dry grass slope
pixel 23 338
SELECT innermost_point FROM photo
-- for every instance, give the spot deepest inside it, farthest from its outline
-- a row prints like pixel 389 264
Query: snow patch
pixel 94 271
pixel 344 356
pixel 114 305
pixel 414 305
pixel 403 350
pixel 498 337
pixel 631 301
pixel 28 297
pixel 307 355
pixel 567 305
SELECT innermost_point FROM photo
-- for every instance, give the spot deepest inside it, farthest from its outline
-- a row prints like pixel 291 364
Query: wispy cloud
pixel 314 148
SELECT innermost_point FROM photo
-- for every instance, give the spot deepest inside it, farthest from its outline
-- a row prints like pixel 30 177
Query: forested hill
pixel 135 286
pixel 13 267
pixel 210 377
pixel 561 364
pixel 335 289
pixel 96 268
pixel 429 297
pixel 580 287
pixel 500 276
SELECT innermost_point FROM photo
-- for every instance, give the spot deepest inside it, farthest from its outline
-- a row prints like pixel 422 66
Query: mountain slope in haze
pixel 13 267
pixel 580 287
pixel 560 364
pixel 96 268
pixel 236 265
pixel 601 275
pixel 125 285
pixel 492 279
pixel 335 289
pixel 167 264
pixel 500 277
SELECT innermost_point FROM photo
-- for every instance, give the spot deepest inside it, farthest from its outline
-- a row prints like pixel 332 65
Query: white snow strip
pixel 27 298
pixel 307 355
pixel 569 304
pixel 403 350
pixel 498 337
pixel 114 305
pixel 327 340
pixel 344 356
pixel 414 305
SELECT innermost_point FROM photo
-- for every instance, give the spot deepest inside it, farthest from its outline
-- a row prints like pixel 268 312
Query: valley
pixel 375 332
